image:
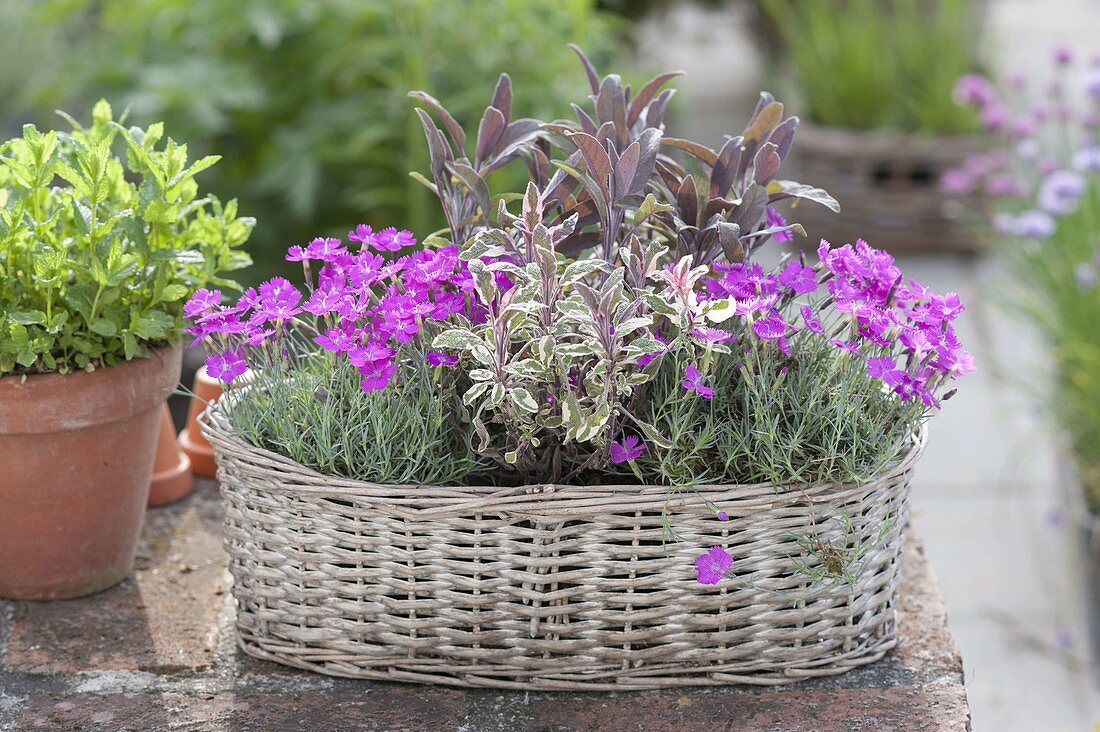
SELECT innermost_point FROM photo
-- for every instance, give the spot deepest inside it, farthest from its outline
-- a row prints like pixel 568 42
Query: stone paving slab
pixel 157 653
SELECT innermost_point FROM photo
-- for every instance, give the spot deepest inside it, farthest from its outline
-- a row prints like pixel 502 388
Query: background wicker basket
pixel 888 189
pixel 553 587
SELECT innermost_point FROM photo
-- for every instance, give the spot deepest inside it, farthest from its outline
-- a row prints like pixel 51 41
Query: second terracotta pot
pixel 206 391
pixel 77 457
pixel 171 467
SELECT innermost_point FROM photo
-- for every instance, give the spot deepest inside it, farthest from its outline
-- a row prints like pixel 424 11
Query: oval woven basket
pixel 555 587
pixel 888 187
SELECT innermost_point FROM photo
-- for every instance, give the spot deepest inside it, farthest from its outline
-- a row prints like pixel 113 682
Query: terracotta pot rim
pixel 45 403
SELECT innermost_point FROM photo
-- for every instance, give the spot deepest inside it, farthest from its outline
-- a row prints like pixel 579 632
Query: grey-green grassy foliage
pixel 880 64
pixel 312 410
pixel 815 417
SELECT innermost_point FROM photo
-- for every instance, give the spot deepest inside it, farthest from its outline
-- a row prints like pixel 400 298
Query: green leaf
pixel 780 189
pixel 171 293
pixel 648 345
pixel 152 325
pixel 18 334
pixel 457 339
pixel 651 206
pixel 26 358
pixel 101 113
pixel 488 243
pixel 475 392
pixel 524 400
pixel 545 349
pixel 129 345
pixel 27 317
pixel 653 435
pixel 625 328
pixel 593 425
pixel 571 414
pixel 419 178
pixel 104 327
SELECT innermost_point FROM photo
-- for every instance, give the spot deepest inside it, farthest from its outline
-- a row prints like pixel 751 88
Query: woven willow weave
pixel 888 186
pixel 553 587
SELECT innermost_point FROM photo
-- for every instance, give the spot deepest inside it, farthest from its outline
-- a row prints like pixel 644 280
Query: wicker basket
pixel 888 189
pixel 552 587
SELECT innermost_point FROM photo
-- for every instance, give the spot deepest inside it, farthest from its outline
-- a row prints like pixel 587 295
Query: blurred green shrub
pixel 306 99
pixel 878 64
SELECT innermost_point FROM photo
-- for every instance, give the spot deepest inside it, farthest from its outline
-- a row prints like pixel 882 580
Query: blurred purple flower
pixel 370 354
pixel 956 182
pixel 1060 191
pixel 771 327
pixel 994 116
pixel 885 369
pixel 1055 517
pixel 712 335
pixel 1087 159
pixel 1034 224
pixel 1003 184
pixel 974 89
pixel 392 240
pixel 325 248
pixel 848 346
pixel 1092 82
pixel 1086 275
pixel 362 234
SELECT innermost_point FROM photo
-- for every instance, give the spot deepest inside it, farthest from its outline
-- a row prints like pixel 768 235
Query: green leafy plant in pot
pixel 102 237
pixel 874 79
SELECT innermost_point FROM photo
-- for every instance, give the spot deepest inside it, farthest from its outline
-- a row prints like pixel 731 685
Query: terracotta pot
pixel 206 390
pixel 171 468
pixel 77 456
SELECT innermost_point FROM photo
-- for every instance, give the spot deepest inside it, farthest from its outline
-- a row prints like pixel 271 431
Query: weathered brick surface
pixel 161 618
pixel 398 709
pixel 157 653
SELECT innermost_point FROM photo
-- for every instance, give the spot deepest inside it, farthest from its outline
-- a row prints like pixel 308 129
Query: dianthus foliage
pixel 612 318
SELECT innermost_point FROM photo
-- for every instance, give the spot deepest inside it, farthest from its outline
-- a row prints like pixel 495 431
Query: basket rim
pixel 215 426
pixel 887 137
